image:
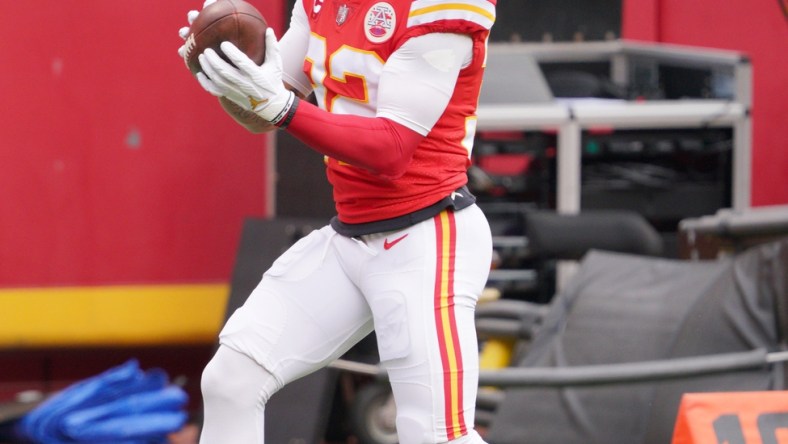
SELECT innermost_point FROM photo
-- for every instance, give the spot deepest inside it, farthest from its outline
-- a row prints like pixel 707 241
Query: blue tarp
pixel 123 405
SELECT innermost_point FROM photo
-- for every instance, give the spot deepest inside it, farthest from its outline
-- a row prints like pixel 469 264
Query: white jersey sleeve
pixel 423 70
pixel 293 46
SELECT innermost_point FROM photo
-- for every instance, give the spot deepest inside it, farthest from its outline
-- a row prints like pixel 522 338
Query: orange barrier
pixel 732 418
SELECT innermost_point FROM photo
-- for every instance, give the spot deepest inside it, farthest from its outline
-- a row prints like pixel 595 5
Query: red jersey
pixel 350 42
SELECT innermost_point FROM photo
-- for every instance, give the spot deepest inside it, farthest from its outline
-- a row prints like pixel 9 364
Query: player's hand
pixel 183 33
pixel 257 88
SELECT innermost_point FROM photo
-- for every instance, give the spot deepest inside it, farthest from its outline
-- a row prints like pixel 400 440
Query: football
pixel 236 21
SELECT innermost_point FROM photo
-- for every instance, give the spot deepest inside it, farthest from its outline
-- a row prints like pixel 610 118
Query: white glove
pixel 184 32
pixel 256 88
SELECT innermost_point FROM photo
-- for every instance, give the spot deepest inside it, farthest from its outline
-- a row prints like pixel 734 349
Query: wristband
pixel 286 115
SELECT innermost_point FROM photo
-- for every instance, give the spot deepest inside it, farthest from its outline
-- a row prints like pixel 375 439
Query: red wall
pixel 115 167
pixel 758 28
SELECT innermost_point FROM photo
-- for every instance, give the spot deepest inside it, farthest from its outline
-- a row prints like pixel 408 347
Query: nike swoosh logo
pixel 387 245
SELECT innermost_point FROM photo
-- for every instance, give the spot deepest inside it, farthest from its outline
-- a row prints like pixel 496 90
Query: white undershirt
pixel 417 80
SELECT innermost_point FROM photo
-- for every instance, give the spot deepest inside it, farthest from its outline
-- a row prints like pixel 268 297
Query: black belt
pixel 462 198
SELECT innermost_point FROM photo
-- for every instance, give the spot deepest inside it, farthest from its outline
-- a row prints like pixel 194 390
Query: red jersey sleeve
pixel 377 144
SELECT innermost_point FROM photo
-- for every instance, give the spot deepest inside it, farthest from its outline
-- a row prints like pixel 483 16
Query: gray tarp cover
pixel 624 308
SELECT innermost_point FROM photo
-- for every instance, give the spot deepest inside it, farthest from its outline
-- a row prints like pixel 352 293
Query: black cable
pixel 647 371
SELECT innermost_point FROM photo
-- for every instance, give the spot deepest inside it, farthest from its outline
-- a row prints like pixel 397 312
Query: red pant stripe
pixel 446 325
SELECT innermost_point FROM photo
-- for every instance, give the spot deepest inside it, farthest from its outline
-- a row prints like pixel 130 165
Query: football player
pixel 396 86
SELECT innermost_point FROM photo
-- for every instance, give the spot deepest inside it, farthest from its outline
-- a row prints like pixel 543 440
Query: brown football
pixel 236 21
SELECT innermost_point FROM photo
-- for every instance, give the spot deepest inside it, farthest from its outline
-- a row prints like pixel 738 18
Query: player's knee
pixel 214 384
pixel 232 378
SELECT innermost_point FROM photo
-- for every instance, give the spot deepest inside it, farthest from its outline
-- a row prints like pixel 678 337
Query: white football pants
pixel 417 288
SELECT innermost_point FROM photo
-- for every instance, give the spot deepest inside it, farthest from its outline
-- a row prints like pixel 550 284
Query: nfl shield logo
pixel 342 14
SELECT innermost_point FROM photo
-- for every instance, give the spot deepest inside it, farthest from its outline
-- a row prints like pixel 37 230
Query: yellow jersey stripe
pixel 479 12
pixel 453 6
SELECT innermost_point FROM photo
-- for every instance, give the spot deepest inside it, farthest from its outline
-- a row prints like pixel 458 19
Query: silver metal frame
pixel 570 118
